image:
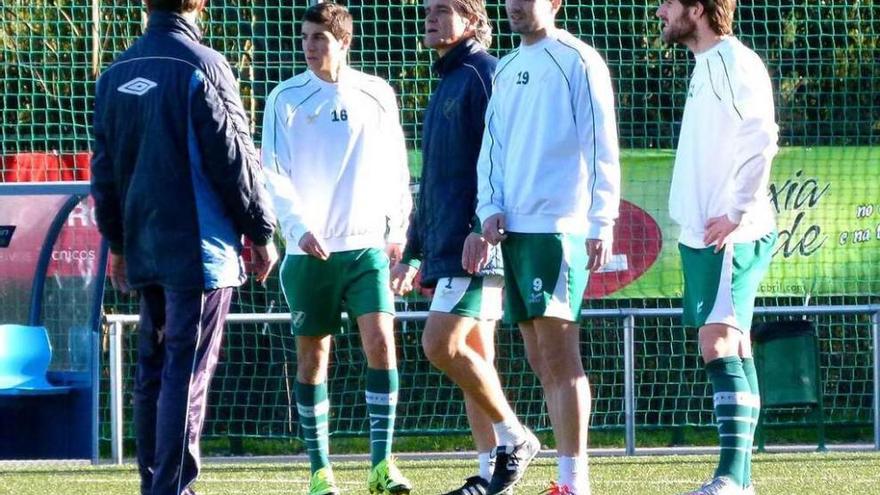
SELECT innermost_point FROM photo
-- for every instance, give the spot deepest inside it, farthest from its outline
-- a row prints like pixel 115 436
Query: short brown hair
pixel 334 17
pixel 179 6
pixel 476 9
pixel 719 13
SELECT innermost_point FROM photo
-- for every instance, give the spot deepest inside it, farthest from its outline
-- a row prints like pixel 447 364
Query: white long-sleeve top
pixel 727 143
pixel 549 159
pixel 335 161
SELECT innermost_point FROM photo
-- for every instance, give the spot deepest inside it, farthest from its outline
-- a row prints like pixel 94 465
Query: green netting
pixel 252 389
pixel 822 57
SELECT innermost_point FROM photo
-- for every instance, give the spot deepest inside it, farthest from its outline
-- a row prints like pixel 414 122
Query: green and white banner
pixel 828 213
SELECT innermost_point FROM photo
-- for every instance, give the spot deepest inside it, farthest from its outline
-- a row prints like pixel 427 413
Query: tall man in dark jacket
pixel 444 243
pixel 175 178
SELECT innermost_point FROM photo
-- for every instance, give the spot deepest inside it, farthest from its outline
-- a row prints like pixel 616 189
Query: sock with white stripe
pixel 314 411
pixel 752 378
pixel 487 465
pixel 382 386
pixel 732 401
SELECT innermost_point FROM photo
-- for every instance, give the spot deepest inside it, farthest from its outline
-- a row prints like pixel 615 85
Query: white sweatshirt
pixel 549 159
pixel 727 142
pixel 335 161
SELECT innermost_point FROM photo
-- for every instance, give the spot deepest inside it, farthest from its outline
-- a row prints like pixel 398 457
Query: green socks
pixel 752 378
pixel 733 401
pixel 382 387
pixel 314 409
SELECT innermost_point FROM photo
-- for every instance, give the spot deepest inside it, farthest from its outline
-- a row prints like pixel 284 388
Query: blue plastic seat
pixel 24 359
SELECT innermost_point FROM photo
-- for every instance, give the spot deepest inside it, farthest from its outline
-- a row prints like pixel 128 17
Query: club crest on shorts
pixel 297 318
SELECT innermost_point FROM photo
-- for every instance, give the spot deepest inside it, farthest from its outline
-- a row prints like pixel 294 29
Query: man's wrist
pixel 410 261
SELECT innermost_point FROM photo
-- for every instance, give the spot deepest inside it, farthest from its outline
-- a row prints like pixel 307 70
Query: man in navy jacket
pixel 444 243
pixel 176 183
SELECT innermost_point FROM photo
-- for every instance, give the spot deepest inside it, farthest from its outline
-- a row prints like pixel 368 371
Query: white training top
pixel 550 159
pixel 727 142
pixel 335 161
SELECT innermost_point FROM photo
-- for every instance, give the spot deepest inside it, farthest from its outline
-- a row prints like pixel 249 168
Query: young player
pixel 549 193
pixel 335 160
pixel 459 334
pixel 719 197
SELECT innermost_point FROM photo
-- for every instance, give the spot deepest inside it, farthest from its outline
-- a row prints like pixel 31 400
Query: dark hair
pixel 476 9
pixel 719 13
pixel 179 6
pixel 334 17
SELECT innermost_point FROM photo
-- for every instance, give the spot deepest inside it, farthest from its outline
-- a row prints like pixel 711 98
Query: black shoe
pixel 511 464
pixel 474 485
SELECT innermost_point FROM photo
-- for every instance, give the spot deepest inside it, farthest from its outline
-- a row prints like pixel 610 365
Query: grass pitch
pixel 775 474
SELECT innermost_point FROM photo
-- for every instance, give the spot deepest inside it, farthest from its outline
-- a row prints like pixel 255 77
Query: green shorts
pixel 721 288
pixel 545 275
pixel 317 290
pixel 472 297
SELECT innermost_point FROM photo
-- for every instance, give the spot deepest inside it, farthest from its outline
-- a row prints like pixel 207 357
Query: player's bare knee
pixel 445 339
pixel 379 352
pixel 310 369
pixel 563 368
pixel 717 341
pixel 539 366
pixel 438 349
pixel 377 341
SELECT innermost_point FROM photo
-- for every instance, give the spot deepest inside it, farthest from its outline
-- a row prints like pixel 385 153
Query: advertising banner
pixel 827 202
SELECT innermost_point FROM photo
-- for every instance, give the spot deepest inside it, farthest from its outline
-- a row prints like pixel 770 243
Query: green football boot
pixel 387 478
pixel 323 483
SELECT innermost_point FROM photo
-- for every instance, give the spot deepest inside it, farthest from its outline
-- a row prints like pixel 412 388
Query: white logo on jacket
pixel 138 86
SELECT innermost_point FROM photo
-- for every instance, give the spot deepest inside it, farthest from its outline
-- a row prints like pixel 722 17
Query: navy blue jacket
pixel 175 175
pixel 451 137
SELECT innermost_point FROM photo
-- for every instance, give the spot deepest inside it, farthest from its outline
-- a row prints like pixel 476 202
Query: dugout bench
pixel 52 261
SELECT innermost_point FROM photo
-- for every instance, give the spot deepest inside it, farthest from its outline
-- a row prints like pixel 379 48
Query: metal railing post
pixel 875 331
pixel 116 392
pixel 95 367
pixel 629 378
pixel 96 38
